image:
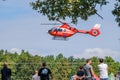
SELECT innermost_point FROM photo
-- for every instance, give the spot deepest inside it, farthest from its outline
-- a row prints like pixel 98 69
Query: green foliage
pixel 95 62
pixel 73 9
pixel 116 12
pixel 24 65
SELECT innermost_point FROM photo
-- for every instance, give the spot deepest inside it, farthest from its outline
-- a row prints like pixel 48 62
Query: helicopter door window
pixel 61 30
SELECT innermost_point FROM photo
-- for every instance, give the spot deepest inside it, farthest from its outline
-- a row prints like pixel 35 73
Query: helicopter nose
pixel 49 31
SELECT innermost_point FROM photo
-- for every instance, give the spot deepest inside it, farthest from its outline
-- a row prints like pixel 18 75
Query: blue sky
pixel 20 28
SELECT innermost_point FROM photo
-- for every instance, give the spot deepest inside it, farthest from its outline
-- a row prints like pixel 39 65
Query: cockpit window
pixel 59 29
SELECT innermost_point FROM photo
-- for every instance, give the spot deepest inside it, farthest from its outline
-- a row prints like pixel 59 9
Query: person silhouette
pixel 35 76
pixel 6 72
pixel 44 72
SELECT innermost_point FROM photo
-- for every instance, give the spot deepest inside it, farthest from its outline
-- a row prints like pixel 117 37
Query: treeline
pixel 23 65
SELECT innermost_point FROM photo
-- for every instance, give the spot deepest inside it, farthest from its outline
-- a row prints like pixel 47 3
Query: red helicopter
pixel 65 31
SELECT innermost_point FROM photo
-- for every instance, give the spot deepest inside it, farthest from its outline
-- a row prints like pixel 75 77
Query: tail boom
pixel 95 31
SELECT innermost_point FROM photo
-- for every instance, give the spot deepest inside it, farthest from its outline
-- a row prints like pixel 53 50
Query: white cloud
pixel 88 53
pixel 31 51
pixel 98 52
pixel 35 52
pixel 13 50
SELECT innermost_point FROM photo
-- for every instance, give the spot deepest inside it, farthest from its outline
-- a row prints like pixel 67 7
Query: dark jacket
pixel 6 73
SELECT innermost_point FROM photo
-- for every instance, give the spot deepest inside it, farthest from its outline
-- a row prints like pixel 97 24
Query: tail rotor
pixel 95 31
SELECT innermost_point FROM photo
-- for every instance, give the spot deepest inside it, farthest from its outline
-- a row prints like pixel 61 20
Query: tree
pixel 95 62
pixel 1 55
pixel 24 66
pixel 63 68
pixel 112 65
pixel 116 12
pixel 73 9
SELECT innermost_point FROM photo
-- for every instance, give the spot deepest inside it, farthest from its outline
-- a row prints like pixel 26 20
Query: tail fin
pixel 95 31
pixel 97 26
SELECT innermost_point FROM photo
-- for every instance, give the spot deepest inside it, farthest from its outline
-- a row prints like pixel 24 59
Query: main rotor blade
pixel 50 23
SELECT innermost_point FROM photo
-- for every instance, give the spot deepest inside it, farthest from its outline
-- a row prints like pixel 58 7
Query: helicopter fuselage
pixel 67 31
pixel 63 31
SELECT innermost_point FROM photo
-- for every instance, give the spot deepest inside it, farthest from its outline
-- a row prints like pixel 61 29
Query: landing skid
pixel 59 38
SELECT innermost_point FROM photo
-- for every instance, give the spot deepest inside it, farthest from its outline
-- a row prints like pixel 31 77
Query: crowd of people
pixel 85 72
pixel 42 74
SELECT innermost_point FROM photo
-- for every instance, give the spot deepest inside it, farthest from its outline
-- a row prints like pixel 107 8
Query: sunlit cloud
pixel 98 52
pixel 31 51
pixel 15 50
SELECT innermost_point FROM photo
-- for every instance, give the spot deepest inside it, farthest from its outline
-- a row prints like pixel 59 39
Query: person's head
pixel 80 67
pixel 5 64
pixel 115 75
pixel 44 64
pixel 118 72
pixel 88 61
pixel 101 60
pixel 36 71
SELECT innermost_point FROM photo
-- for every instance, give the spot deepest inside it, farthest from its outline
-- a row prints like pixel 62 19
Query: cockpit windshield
pixel 57 29
pixel 53 29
